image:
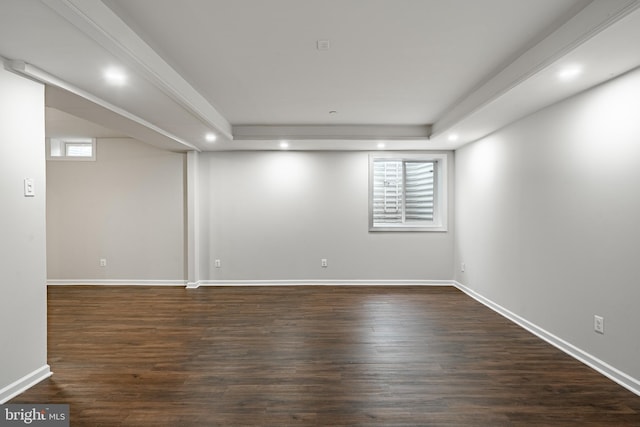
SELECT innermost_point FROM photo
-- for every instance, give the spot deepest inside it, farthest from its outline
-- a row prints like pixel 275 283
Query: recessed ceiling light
pixel 453 137
pixel 284 145
pixel 381 145
pixel 210 137
pixel 115 76
pixel 569 72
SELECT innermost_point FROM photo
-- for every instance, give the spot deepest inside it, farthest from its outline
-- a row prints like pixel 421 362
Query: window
pixel 71 149
pixel 408 192
pixel 78 149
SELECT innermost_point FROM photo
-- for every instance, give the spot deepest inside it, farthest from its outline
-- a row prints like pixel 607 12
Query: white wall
pixel 23 310
pixel 275 215
pixel 127 207
pixel 548 219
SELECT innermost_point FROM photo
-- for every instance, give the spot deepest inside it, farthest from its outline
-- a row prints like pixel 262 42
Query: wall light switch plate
pixel 29 188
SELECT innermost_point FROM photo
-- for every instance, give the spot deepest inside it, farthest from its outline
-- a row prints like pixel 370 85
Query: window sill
pixel 404 228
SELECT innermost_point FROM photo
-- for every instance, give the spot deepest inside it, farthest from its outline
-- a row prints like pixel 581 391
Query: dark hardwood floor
pixel 325 356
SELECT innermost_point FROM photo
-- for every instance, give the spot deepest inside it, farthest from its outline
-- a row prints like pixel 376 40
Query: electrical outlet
pixel 323 263
pixel 217 263
pixel 103 262
pixel 598 324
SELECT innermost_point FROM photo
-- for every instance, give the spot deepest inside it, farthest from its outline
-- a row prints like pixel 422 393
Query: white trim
pixel 288 282
pixel 193 217
pixel 332 132
pixel 95 282
pixel 441 190
pixel 321 283
pixel 193 285
pixel 22 384
pixel 623 379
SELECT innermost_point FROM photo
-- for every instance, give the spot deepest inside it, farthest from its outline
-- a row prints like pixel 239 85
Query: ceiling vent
pixel 323 44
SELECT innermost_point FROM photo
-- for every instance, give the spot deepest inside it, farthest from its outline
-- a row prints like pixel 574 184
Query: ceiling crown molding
pixel 333 132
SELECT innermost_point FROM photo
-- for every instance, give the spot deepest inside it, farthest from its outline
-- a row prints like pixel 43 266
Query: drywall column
pixel 23 293
pixel 193 221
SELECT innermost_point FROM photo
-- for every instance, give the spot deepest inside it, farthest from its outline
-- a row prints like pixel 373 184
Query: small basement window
pixel 408 192
pixel 71 149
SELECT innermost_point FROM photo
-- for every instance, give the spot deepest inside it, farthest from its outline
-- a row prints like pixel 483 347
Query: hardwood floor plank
pixel 339 356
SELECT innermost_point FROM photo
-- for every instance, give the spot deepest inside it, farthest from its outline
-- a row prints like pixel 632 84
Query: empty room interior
pixel 321 212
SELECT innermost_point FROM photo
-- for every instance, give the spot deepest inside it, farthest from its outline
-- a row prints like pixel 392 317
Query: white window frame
pixel 439 222
pixel 57 149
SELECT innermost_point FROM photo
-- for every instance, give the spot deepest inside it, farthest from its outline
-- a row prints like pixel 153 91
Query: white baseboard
pixel 24 383
pixel 96 282
pixel 623 379
pixel 194 285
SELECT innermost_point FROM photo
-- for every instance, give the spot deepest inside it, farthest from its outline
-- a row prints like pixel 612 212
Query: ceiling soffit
pixel 101 24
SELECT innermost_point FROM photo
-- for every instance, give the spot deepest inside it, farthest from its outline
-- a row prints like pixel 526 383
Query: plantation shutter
pixel 387 192
pixel 419 191
pixel 403 192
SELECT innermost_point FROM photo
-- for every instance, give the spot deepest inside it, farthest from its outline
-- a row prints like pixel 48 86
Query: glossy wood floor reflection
pixel 324 356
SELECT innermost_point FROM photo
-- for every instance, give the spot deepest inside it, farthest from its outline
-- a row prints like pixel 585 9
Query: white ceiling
pixel 389 62
pixel 408 72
